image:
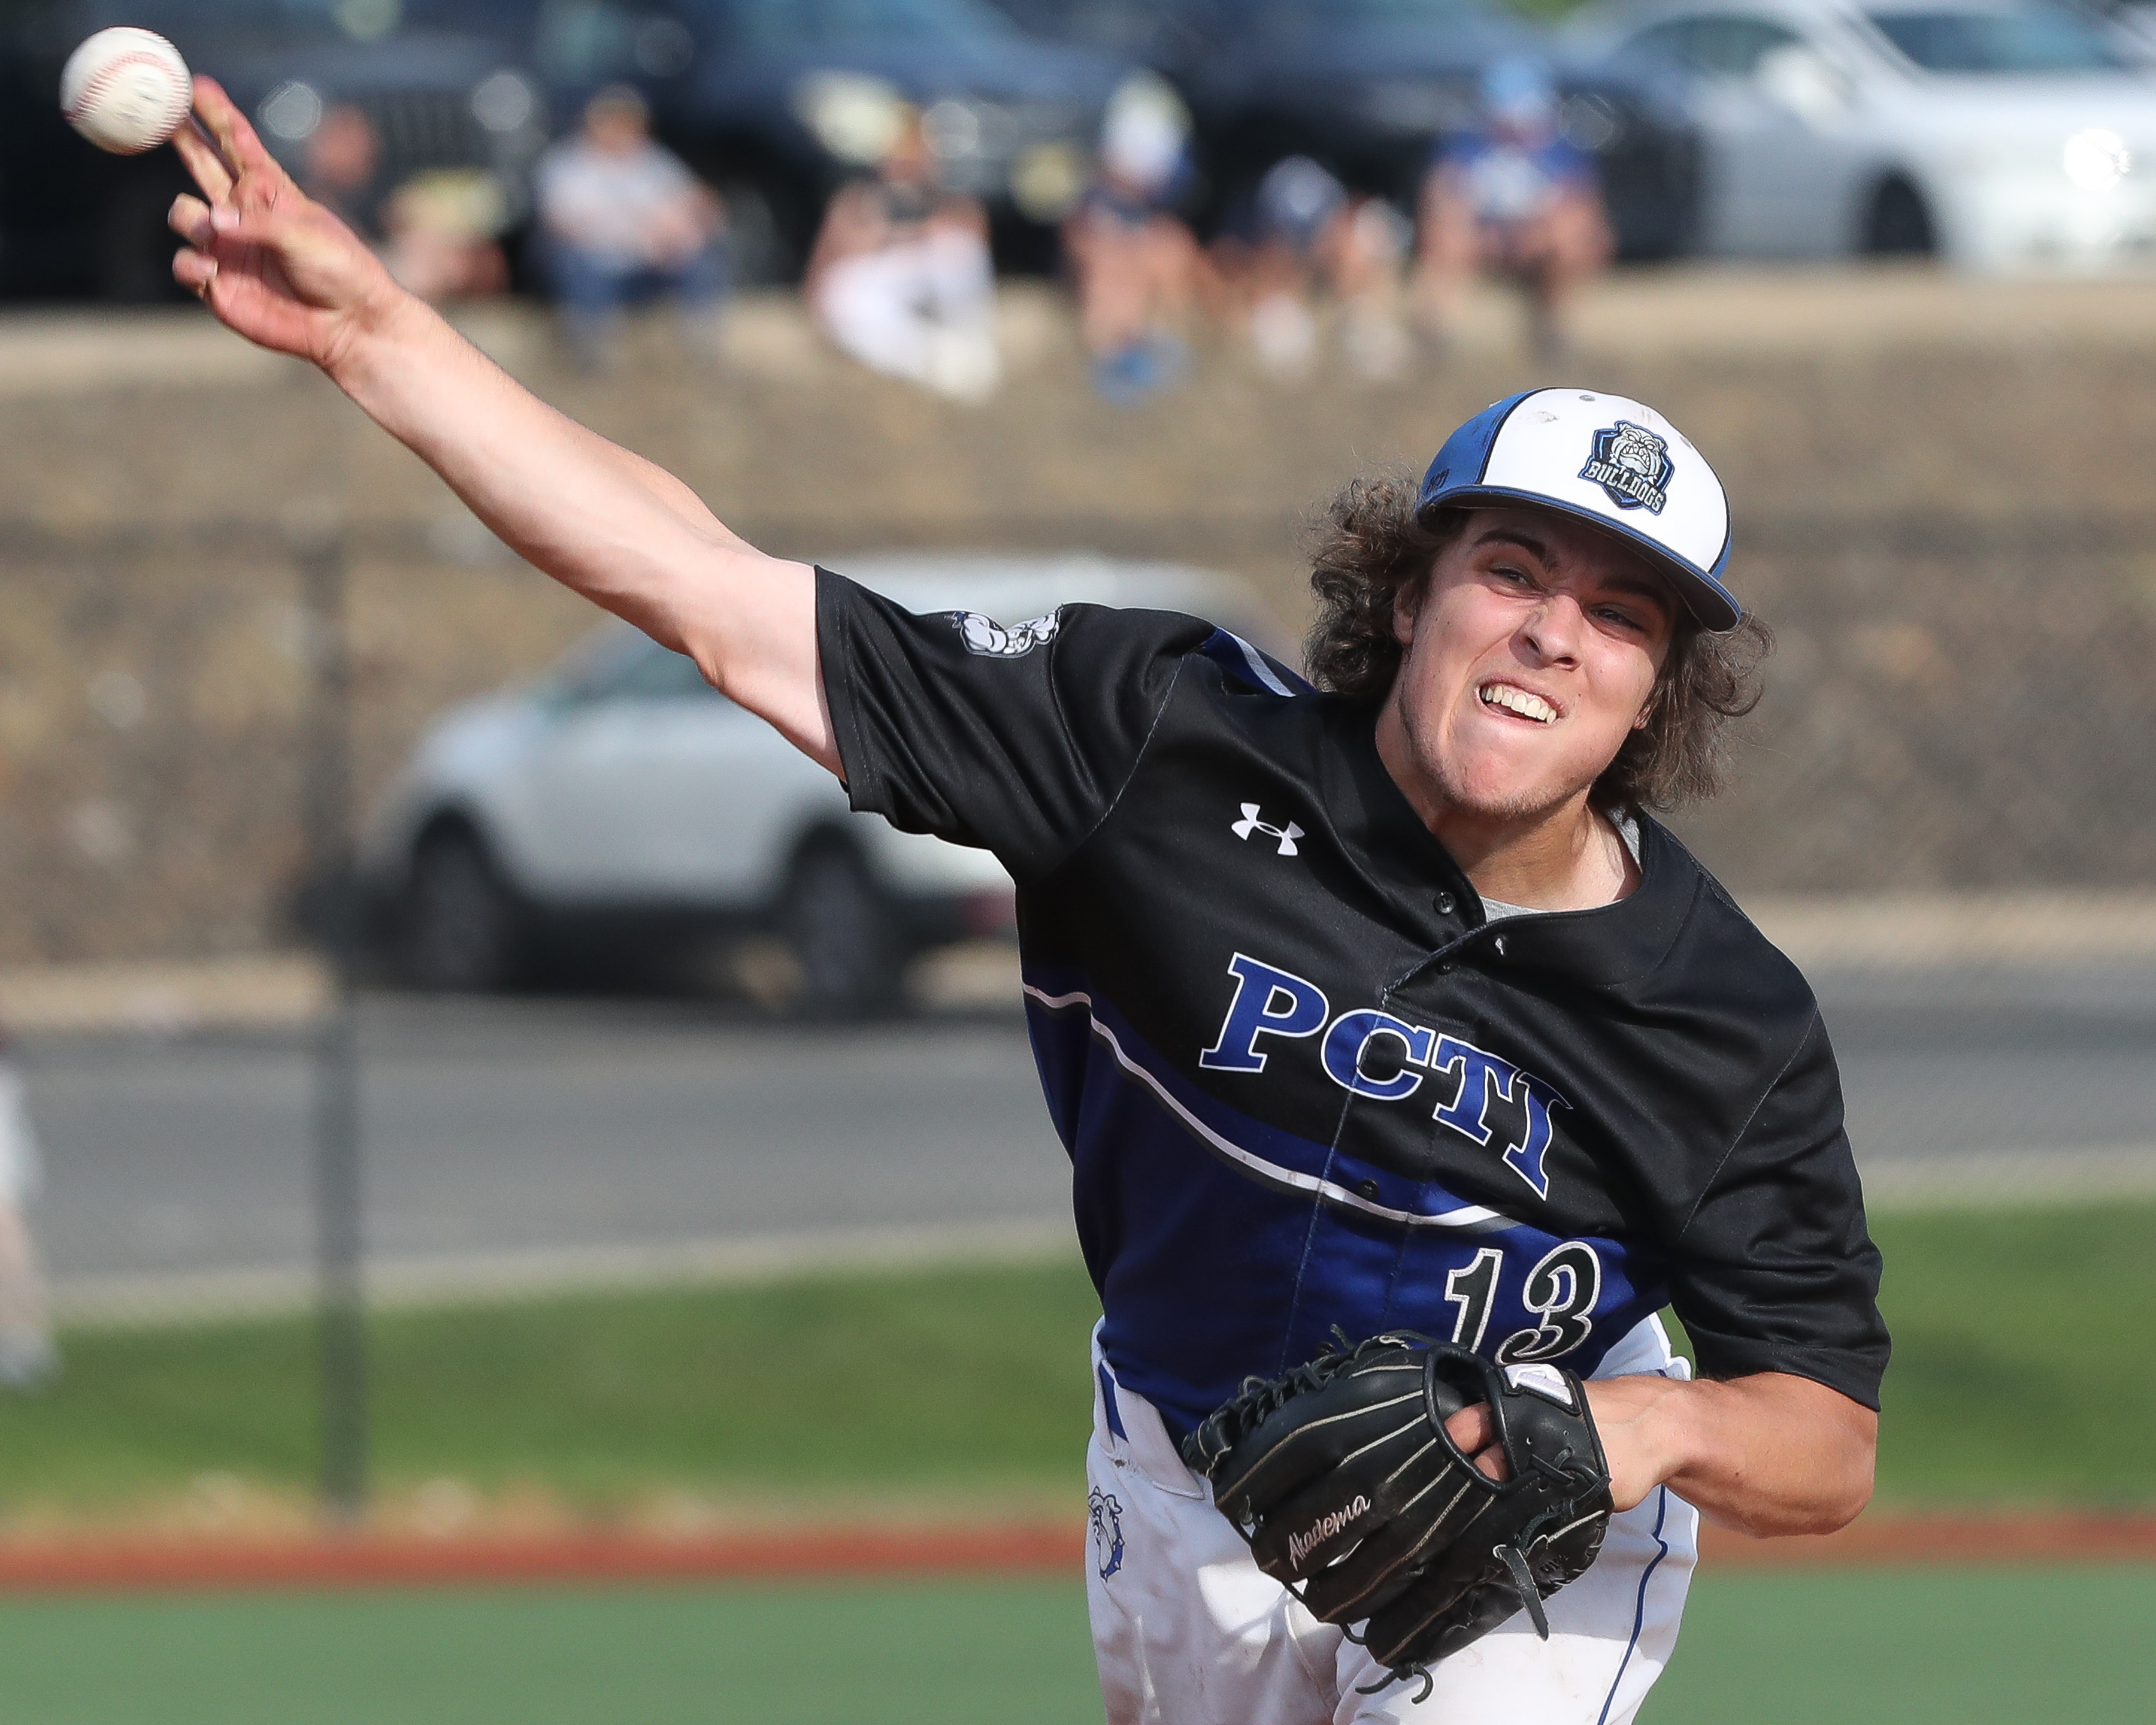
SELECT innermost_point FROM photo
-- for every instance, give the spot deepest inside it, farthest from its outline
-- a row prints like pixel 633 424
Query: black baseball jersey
pixel 1302 1080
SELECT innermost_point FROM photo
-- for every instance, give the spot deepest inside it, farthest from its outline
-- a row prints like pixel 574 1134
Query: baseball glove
pixel 1342 1478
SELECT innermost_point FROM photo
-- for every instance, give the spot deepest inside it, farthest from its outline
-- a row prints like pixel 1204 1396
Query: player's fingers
pixel 189 219
pixel 262 225
pixel 242 151
pixel 193 271
pixel 1471 1429
pixel 1492 1463
pixel 203 163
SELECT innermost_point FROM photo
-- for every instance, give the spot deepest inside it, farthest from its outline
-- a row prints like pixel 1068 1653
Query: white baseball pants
pixel 1188 1630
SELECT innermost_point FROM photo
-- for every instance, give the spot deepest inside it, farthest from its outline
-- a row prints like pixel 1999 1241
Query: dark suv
pixel 766 100
pixel 76 222
pixel 1366 86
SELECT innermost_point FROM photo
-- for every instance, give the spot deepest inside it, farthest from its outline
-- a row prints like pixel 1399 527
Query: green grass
pixel 1881 1647
pixel 972 1378
pixel 2005 1646
pixel 2019 1339
pixel 946 1653
pixel 2022 1348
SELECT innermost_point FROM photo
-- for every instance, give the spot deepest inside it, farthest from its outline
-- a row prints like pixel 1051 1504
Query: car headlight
pixel 291 111
pixel 1589 122
pixel 2095 158
pixel 503 102
pixel 856 117
pixel 953 130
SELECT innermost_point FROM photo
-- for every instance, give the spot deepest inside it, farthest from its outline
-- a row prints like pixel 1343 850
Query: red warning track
pixel 90 1564
pixel 1889 1538
pixel 85 1564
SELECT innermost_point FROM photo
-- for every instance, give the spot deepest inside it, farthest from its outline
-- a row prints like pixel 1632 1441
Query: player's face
pixel 1531 654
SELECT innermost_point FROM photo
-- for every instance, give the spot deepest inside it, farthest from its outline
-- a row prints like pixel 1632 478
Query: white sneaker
pixel 1284 335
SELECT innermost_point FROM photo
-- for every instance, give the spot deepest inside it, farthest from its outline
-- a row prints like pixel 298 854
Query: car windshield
pixel 1402 11
pixel 269 20
pixel 832 23
pixel 2027 41
pixel 1324 12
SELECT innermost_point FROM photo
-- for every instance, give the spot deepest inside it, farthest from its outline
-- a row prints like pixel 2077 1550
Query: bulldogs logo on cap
pixel 1632 465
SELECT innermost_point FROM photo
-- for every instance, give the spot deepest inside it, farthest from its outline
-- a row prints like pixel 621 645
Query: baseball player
pixel 1384 1006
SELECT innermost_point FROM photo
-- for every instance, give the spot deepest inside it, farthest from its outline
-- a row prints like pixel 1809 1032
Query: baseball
pixel 126 90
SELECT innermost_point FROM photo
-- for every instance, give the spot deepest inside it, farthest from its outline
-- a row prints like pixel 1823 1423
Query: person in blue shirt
pixel 1139 274
pixel 1513 198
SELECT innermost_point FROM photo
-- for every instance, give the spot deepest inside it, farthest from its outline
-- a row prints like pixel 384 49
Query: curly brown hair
pixel 1374 546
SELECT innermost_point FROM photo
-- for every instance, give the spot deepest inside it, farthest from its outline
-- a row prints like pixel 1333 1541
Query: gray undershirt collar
pixel 1628 829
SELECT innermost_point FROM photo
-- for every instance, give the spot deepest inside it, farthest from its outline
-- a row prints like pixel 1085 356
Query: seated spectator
pixel 1137 269
pixel 440 242
pixel 438 232
pixel 1306 236
pixel 1514 197
pixel 900 277
pixel 342 167
pixel 622 219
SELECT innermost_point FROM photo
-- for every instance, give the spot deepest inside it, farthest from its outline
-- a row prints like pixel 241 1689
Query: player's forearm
pixel 558 493
pixel 603 521
pixel 1767 1455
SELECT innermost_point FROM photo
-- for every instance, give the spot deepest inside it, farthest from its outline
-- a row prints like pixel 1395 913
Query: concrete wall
pixel 1941 494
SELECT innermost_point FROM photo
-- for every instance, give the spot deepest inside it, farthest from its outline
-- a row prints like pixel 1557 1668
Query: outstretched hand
pixel 272 264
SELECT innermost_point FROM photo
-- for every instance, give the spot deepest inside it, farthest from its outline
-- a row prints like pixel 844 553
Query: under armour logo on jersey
pixel 1251 823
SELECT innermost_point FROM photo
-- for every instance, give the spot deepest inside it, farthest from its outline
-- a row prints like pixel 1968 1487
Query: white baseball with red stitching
pixel 126 90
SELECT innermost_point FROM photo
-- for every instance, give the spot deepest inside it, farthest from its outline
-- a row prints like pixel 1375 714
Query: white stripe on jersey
pixel 1470 1218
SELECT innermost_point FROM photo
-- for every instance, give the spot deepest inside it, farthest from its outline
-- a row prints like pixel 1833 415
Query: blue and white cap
pixel 1610 460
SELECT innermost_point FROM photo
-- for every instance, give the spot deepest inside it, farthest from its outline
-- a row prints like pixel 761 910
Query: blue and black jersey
pixel 1303 1080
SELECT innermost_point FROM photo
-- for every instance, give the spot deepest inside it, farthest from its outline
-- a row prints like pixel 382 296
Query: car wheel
pixel 463 931
pixel 1899 224
pixel 845 941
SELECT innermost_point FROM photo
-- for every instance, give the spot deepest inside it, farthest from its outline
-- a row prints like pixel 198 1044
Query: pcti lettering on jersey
pixel 1272 1002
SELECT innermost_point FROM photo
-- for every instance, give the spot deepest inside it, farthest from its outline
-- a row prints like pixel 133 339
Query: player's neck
pixel 1566 857
pixel 1570 859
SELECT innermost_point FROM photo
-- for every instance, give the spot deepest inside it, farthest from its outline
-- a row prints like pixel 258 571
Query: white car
pixel 1999 134
pixel 620 805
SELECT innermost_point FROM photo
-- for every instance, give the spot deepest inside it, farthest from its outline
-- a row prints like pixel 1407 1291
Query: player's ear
pixel 1675 654
pixel 1407 607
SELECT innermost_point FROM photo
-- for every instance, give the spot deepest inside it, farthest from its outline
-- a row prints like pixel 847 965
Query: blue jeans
pixel 593 287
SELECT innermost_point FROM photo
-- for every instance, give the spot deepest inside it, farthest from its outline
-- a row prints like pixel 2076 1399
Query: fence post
pixel 318 544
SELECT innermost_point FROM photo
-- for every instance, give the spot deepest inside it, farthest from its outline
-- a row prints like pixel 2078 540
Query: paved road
pixel 550 1125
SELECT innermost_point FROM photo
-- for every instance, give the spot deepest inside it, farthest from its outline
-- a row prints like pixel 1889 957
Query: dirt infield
pixel 133 1564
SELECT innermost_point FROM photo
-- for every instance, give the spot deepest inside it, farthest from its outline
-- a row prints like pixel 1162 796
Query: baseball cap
pixel 1297 199
pixel 1608 460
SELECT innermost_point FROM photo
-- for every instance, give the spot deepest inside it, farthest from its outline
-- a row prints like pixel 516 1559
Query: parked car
pixel 1996 134
pixel 620 800
pixel 775 102
pixel 1368 86
pixel 77 223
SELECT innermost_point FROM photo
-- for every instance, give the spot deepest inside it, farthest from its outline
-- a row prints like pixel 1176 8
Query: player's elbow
pixel 1824 1486
pixel 1848 1463
pixel 1838 1497
pixel 1800 1459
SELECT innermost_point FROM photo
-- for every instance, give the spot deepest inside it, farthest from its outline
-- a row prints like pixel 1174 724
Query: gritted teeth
pixel 1515 700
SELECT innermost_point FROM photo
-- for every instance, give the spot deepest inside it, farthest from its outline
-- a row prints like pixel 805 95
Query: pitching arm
pixel 284 273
